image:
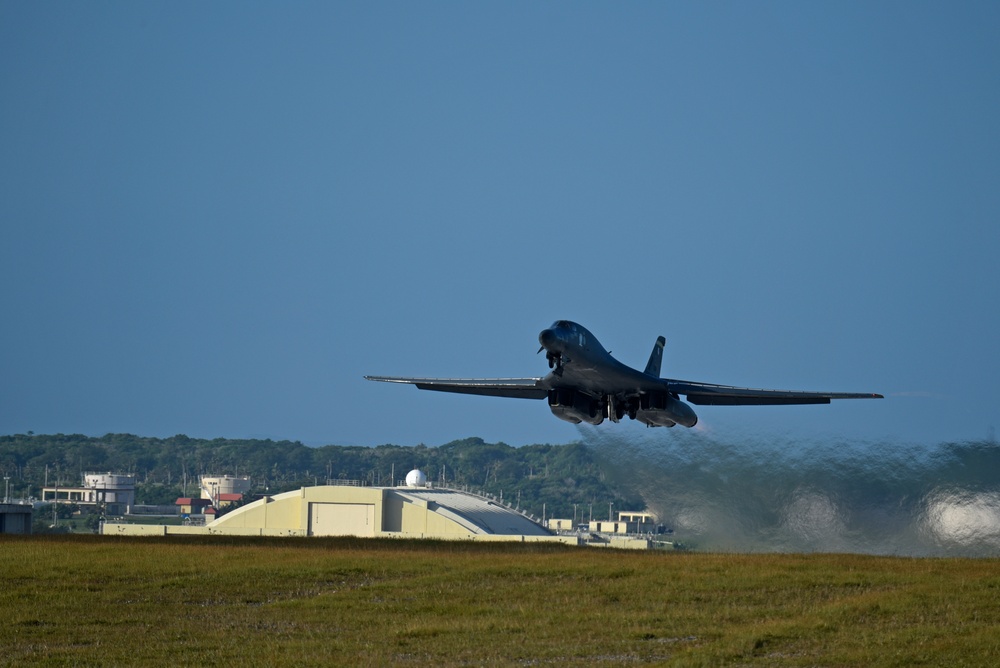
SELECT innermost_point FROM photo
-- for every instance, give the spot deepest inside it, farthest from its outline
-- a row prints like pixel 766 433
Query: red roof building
pixel 192 505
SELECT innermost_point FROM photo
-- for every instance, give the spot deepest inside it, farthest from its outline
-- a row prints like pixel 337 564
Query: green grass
pixel 86 600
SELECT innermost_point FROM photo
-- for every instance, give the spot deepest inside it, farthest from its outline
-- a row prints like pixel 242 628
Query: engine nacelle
pixel 661 409
pixel 576 407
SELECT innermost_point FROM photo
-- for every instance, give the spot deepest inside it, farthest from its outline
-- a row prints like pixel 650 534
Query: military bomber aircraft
pixel 587 384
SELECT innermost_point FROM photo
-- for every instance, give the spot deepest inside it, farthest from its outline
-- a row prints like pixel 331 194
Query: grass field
pixel 87 600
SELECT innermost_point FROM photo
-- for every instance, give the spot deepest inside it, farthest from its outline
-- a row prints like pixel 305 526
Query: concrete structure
pixel 215 486
pixel 113 492
pixel 15 518
pixel 625 543
pixel 345 510
pixel 628 523
pixel 643 522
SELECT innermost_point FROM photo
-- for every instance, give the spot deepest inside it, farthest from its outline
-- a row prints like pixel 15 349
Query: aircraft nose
pixel 547 338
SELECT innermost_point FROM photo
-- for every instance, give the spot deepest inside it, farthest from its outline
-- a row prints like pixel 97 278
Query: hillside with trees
pixel 556 476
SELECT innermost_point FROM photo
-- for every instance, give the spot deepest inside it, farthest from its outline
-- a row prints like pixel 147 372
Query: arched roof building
pixel 411 512
pixel 414 511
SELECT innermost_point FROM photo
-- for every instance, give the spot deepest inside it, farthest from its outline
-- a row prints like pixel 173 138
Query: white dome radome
pixel 416 478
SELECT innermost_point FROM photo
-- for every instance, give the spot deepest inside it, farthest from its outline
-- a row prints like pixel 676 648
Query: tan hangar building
pixel 414 511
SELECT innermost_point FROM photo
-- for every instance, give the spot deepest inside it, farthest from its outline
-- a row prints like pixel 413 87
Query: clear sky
pixel 216 218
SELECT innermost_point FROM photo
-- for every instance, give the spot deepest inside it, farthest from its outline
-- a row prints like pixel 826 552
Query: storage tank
pixel 110 488
pixel 212 486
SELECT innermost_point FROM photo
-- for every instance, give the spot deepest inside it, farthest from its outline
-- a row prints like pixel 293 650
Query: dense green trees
pixel 557 477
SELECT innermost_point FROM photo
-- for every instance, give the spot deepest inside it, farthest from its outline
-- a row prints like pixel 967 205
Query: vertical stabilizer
pixel 655 358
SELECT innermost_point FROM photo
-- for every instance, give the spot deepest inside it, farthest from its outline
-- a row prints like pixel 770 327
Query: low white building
pixel 114 493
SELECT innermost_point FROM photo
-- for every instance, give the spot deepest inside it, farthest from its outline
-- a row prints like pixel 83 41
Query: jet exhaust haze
pixel 778 494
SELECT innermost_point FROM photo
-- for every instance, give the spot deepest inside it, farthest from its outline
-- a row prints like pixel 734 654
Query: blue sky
pixel 215 219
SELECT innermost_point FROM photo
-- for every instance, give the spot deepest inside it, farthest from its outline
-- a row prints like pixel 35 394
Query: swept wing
pixel 518 388
pixel 707 394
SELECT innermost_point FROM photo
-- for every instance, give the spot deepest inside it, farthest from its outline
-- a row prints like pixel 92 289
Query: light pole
pixel 6 488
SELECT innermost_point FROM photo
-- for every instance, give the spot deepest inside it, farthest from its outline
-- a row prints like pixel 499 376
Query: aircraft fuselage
pixel 588 385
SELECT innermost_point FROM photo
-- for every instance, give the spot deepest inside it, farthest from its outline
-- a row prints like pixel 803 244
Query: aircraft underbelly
pixel 606 380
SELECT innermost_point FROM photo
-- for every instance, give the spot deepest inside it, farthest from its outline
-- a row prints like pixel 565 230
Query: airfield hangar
pixel 413 511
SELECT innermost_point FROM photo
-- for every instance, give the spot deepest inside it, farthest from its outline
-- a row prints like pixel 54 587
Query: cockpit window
pixel 564 324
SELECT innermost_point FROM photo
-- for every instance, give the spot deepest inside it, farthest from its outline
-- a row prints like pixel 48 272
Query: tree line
pixel 561 480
